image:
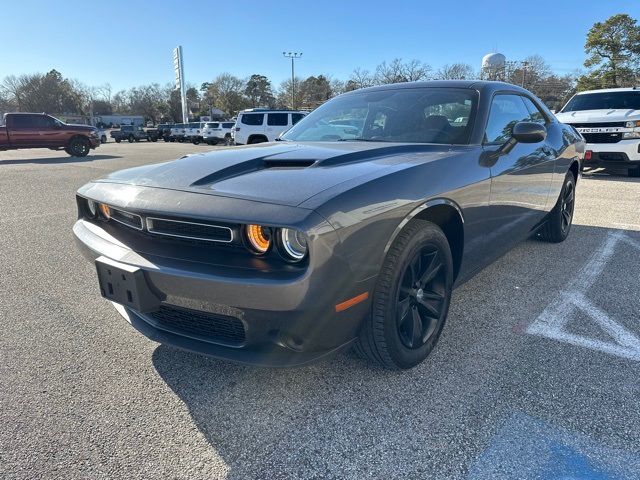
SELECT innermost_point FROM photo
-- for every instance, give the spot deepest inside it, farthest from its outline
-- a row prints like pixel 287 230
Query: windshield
pixel 408 115
pixel 629 100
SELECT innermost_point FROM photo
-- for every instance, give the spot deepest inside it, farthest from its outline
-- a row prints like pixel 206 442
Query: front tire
pixel 131 138
pixel 411 299
pixel 558 225
pixel 78 147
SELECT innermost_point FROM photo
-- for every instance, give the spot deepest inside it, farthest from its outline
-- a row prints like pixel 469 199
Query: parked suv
pixel 216 132
pixel 193 132
pixel 176 132
pixel 609 120
pixel 257 125
pixel 130 133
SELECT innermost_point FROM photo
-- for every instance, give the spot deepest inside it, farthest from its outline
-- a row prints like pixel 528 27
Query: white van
pixel 257 125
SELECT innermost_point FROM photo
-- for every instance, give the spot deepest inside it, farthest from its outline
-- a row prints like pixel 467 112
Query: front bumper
pixel 623 154
pixel 288 320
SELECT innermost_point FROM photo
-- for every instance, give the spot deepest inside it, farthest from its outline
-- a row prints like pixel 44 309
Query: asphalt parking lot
pixel 536 374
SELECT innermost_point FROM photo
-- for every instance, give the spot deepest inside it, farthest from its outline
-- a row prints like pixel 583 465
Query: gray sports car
pixel 352 229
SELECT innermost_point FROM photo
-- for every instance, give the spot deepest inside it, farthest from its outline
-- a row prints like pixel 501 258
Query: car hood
pixel 596 116
pixel 281 173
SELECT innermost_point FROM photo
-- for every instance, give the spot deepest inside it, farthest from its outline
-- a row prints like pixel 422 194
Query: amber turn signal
pixel 259 238
pixel 105 211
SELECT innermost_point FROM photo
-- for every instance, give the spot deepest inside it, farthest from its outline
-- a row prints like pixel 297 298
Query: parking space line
pixel 552 322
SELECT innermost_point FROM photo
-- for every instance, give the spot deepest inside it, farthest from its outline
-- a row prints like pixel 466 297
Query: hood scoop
pixel 272 163
pixel 251 166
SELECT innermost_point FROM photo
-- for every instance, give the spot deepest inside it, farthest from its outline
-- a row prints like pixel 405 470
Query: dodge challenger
pixel 352 229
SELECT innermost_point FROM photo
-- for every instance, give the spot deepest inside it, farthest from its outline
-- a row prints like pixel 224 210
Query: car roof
pixel 481 85
pixel 270 110
pixel 608 90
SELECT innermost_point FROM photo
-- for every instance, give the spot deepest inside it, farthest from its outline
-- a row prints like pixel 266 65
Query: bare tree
pixel 12 88
pixel 359 79
pixel 226 91
pixel 455 71
pixel 397 71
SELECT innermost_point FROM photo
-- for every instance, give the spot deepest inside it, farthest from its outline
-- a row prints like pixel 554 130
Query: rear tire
pixel 131 138
pixel 634 172
pixel 118 140
pixel 558 224
pixel 411 299
pixel 78 147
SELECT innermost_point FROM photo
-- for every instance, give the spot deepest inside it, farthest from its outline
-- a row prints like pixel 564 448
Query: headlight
pixel 105 210
pixel 293 244
pixel 92 207
pixel 633 124
pixel 258 238
pixel 630 135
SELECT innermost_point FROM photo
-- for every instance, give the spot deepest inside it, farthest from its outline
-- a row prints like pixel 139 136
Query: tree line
pixel 613 60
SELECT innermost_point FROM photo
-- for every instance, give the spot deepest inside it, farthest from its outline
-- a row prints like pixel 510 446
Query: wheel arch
pixel 77 136
pixel 260 136
pixel 575 169
pixel 447 215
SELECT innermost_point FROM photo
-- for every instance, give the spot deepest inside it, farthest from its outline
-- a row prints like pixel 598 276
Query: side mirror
pixel 523 132
pixel 528 132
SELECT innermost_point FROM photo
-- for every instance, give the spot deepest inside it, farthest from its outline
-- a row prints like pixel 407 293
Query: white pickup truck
pixel 609 121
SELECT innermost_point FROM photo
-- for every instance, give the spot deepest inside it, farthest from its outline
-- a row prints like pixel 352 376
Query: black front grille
pixel 602 137
pixel 208 326
pixel 598 124
pixel 129 219
pixel 191 230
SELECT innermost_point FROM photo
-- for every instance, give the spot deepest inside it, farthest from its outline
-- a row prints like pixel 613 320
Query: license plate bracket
pixel 126 285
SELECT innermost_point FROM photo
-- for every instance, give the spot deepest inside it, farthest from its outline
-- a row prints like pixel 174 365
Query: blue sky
pixel 129 43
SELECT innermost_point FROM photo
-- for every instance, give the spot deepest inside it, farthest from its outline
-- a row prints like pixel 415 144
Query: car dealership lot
pixel 536 372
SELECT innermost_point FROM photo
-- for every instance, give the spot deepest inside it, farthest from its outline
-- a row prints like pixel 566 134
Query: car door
pixel 276 124
pixel 22 132
pixel 520 179
pixel 50 132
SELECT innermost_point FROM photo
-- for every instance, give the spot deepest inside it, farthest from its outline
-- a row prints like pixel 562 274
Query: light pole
pixel 292 56
pixel 525 65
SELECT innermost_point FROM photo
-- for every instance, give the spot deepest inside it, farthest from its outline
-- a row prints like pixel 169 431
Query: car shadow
pixel 251 412
pixel 608 175
pixel 272 423
pixel 56 160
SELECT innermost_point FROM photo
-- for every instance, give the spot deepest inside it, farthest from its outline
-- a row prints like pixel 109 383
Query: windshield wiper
pixel 360 139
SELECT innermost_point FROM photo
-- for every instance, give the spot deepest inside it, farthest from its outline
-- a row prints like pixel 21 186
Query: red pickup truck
pixel 39 130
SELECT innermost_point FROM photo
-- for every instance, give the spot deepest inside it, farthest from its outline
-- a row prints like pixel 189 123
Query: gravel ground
pixel 524 383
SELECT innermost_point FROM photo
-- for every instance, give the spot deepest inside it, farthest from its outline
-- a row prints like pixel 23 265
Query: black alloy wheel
pixel 567 205
pixel 558 223
pixel 421 298
pixel 79 147
pixel 411 298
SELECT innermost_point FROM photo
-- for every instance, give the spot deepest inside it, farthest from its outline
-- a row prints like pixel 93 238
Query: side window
pixel 506 111
pixel 23 121
pixel 535 115
pixel 40 121
pixel 228 125
pixel 252 118
pixel 277 119
pixel 296 117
